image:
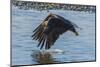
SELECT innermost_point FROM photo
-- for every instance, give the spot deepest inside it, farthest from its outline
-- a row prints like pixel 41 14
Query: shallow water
pixel 70 48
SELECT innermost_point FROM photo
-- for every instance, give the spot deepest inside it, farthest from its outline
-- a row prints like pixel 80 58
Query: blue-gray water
pixel 75 48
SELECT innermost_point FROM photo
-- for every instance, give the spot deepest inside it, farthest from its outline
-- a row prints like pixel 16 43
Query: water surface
pixel 74 48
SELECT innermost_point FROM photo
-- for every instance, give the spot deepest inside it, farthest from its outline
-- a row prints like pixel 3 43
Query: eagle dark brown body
pixel 50 30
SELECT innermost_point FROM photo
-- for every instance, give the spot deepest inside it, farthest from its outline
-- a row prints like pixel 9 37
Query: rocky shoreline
pixel 52 6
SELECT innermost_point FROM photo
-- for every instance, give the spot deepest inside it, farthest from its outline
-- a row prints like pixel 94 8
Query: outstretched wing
pixel 50 30
pixel 57 26
pixel 49 39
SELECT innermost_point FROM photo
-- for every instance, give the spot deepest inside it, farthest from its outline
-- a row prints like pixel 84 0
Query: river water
pixel 68 48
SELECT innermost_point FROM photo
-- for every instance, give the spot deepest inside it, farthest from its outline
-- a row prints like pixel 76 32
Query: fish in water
pixel 51 28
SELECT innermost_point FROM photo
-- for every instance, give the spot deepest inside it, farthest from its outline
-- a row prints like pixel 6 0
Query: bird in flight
pixel 51 28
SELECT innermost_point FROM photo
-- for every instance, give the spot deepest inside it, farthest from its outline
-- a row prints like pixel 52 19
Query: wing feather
pixel 47 40
pixel 43 41
pixel 52 37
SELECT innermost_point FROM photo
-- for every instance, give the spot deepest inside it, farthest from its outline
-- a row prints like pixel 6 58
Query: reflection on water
pixel 42 57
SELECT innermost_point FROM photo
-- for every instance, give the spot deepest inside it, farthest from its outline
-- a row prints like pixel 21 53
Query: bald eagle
pixel 50 30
